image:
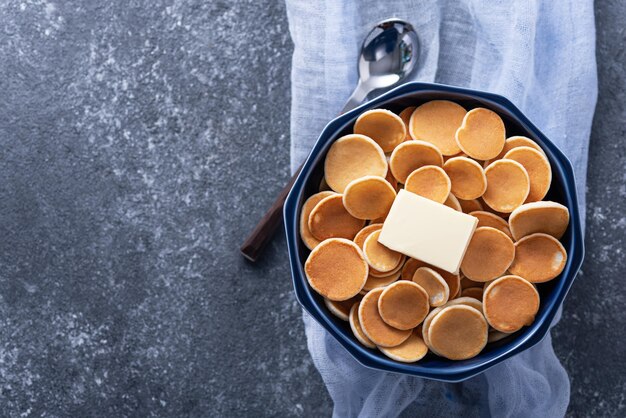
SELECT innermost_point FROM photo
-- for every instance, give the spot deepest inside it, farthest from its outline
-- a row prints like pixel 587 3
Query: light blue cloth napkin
pixel 541 56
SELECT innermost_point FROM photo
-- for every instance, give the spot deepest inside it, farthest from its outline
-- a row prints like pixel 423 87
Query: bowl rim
pixel 530 336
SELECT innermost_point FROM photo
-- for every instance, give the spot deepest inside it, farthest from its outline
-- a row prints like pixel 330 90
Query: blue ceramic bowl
pixel 563 190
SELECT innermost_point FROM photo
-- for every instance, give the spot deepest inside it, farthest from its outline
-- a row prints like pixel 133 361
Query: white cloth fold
pixel 540 55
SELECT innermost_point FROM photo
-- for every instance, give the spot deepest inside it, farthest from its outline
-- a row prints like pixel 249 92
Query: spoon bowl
pixel 389 53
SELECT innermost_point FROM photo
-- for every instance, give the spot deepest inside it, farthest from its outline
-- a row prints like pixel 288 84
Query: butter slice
pixel 427 230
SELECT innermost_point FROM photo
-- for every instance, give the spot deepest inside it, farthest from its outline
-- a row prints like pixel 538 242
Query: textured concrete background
pixel 140 143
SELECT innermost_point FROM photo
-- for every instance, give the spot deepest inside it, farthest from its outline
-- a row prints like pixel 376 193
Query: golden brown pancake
pixel 510 303
pixel 383 126
pixel 489 254
pixel 373 325
pixel 378 256
pixel 453 202
pixel 432 282
pixel 482 134
pixel 361 236
pixel 452 280
pixel 403 305
pixel 473 292
pixel 355 325
pixel 458 332
pixel 341 309
pixel 405 115
pixel 430 182
pixel 465 283
pixel 538 258
pixel 330 219
pixel 410 351
pixel 408 270
pixel 374 282
pixel 336 269
pixel 396 269
pixel 547 217
pixel 538 168
pixel 468 206
pixel 368 197
pixel 466 300
pixel 309 240
pixel 351 157
pixel 514 142
pixel 437 122
pixel 490 219
pixel 467 178
pixel 426 325
pixel 495 335
pixel 411 155
pixel 323 185
pixel 486 208
pixel 392 180
pixel 508 185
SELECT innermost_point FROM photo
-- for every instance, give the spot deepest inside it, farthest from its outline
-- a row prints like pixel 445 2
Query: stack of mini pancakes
pixel 458 158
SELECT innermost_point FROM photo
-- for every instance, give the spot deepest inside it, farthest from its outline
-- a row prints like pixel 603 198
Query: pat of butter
pixel 427 230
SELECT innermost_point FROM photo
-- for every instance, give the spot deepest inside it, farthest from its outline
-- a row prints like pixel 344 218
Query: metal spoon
pixel 389 53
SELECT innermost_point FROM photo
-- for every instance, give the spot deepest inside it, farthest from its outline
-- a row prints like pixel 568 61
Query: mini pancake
pixel 466 300
pixel 453 202
pixel 508 185
pixel 486 208
pixel 355 325
pixel 410 351
pixel 426 325
pixel 392 180
pixel 490 219
pixel 383 126
pixel 408 270
pixel 495 335
pixel 330 219
pixel 538 168
pixel 323 185
pixel 411 155
pixel 467 177
pixel 373 325
pixel 547 217
pixel 396 269
pixel 336 269
pixel 510 302
pixel 305 233
pixel 341 309
pixel 432 282
pixel 538 258
pixel 379 220
pixel 458 332
pixel 452 280
pixel 368 197
pixel 489 254
pixel 468 206
pixel 430 182
pixel 403 305
pixel 514 142
pixel 374 282
pixel 482 134
pixel 465 283
pixel 351 157
pixel 473 292
pixel 359 238
pixel 405 115
pixel 437 122
pixel 378 256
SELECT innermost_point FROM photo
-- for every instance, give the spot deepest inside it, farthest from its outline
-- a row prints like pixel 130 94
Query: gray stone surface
pixel 140 143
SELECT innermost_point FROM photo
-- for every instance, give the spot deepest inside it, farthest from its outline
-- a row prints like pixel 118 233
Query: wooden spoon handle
pixel 265 229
